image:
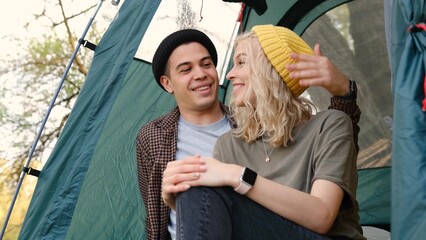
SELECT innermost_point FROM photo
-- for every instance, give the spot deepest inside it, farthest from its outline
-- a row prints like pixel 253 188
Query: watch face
pixel 249 176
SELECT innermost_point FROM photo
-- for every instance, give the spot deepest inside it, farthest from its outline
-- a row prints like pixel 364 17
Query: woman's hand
pixel 218 174
pixel 318 70
pixel 177 177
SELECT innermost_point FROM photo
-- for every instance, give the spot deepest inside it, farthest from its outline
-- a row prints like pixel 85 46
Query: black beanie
pixel 173 41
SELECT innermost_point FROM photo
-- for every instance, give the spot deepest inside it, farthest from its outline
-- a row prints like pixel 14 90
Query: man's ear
pixel 165 81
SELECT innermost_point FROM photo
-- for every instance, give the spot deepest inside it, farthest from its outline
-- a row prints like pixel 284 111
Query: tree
pixel 29 80
pixel 33 76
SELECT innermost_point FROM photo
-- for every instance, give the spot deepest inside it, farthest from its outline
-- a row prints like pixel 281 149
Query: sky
pixel 14 14
pixel 12 19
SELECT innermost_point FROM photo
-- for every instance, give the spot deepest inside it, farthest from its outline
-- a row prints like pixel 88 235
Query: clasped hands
pixel 193 171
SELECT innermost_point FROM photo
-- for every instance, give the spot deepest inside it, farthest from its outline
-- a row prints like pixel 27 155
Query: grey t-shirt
pixel 196 140
pixel 323 148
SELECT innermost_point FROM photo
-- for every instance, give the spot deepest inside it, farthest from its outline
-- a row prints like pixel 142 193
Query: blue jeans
pixel 221 213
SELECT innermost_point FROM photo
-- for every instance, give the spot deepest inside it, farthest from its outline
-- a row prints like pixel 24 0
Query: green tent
pixel 407 45
pixel 88 187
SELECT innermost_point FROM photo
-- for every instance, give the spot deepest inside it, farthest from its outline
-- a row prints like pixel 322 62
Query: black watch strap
pixel 353 91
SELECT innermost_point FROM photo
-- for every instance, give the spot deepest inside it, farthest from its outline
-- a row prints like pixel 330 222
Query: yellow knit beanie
pixel 277 44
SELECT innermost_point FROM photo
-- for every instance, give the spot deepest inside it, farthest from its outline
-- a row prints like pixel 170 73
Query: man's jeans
pixel 220 213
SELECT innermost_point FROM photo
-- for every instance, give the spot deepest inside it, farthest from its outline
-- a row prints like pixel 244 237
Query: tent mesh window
pixel 359 50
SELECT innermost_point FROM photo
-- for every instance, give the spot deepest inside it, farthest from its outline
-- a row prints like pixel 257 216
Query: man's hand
pixel 318 70
pixel 177 176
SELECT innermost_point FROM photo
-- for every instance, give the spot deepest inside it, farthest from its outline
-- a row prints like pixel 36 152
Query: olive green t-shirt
pixel 323 148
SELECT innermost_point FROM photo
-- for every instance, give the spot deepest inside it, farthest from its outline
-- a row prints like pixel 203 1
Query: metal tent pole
pixel 31 152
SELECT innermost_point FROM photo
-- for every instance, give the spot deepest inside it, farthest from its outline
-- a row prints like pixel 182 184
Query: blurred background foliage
pixel 28 81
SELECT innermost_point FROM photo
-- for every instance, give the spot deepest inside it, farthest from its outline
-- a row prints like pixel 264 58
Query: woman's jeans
pixel 220 213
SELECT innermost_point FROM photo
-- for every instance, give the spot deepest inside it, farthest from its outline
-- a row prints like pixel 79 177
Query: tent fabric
pixel 373 196
pixel 88 187
pixel 305 9
pixel 408 54
pixel 110 195
pixel 55 198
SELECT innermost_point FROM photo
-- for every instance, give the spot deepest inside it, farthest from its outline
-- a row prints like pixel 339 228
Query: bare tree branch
pixel 73 16
pixel 71 40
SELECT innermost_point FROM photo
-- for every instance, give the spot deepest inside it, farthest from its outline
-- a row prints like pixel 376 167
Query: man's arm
pixel 348 106
pixel 143 179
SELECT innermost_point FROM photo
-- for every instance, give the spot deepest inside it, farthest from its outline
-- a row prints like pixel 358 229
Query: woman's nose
pixel 230 76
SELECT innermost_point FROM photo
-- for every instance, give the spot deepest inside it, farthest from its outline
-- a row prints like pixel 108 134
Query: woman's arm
pixel 316 211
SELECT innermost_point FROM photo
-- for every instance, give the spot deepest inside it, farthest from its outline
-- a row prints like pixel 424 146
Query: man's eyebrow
pixel 182 64
pixel 188 63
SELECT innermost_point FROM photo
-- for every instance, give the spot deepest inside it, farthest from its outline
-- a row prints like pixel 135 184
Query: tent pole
pixel 52 103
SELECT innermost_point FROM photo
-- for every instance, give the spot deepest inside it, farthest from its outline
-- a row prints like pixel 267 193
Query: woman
pixel 282 173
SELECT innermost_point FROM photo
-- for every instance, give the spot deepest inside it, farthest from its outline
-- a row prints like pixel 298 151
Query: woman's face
pixel 239 76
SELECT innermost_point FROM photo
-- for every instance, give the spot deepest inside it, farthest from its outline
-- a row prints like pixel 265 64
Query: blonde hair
pixel 271 108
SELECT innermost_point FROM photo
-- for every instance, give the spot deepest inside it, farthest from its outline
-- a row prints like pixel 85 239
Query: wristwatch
pixel 247 180
pixel 353 90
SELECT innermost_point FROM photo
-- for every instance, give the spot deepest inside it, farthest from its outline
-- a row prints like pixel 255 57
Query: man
pixel 185 65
